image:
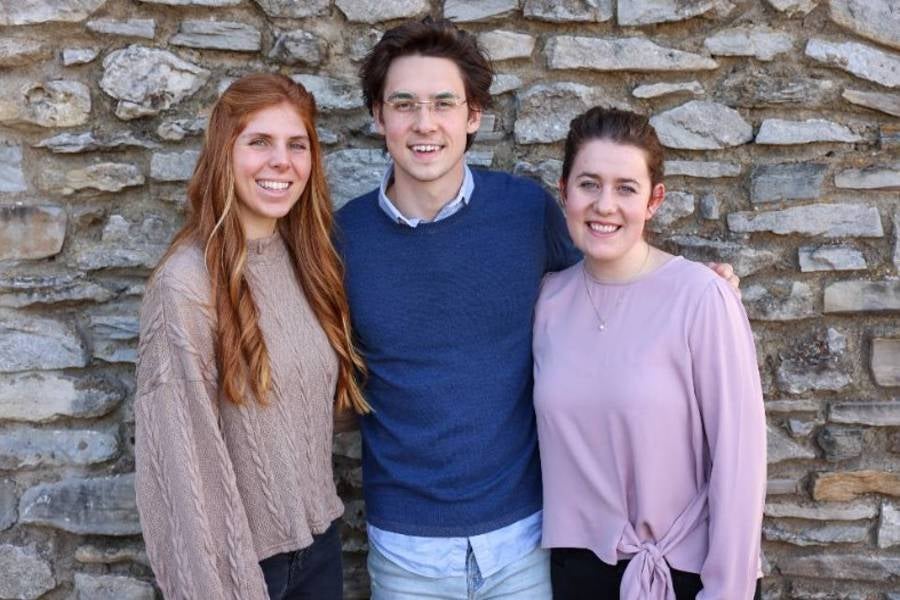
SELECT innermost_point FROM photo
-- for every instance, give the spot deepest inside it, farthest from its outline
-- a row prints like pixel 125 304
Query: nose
pixel 279 156
pixel 604 202
pixel 423 118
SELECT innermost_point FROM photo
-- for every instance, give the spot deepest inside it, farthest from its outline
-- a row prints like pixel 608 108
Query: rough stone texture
pixel 102 177
pixel 40 397
pixel 646 12
pixel 111 587
pixel 15 52
pixel 96 506
pixel 843 487
pixel 830 258
pixel 877 20
pixel 564 101
pixel 29 342
pixel 797 376
pixel 291 9
pixel 28 448
pixel 700 168
pixel 862 296
pixel 886 103
pixel 871 178
pixel 821 512
pixel 44 11
pixel 759 42
pixel 854 566
pixel 142 28
pixel 886 361
pixel 889 526
pixel 12 179
pixel 655 90
pixel 864 61
pixel 31 232
pixel 793 7
pixel 792 181
pixel 780 447
pixel 676 206
pixel 620 54
pixel 878 414
pixel 781 132
pixel 218 35
pixel 701 125
pixel 353 172
pixel 125 243
pixel 825 220
pixel 165 80
pixel 562 11
pixel 54 103
pixel 8 503
pixel 298 47
pixel 331 94
pixel 373 11
pixel 69 315
pixel 785 301
pixel 505 82
pixel 503 45
pixel 78 56
pixel 819 535
pixel 745 261
pixel 23 573
pixel 111 554
pixel 173 166
pixel 840 443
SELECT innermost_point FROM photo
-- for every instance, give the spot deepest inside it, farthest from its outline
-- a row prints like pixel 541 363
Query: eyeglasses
pixel 439 105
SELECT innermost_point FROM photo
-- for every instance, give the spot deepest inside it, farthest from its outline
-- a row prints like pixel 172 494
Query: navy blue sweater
pixel 443 315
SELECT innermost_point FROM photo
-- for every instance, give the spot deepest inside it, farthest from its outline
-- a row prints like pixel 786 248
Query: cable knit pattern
pixel 221 487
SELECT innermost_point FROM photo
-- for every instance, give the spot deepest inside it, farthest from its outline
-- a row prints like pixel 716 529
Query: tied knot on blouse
pixel 647 576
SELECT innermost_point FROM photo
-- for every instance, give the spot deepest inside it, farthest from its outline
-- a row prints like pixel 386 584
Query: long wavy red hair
pixel 212 220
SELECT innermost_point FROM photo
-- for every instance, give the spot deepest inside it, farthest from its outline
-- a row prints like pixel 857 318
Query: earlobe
pixel 474 121
pixel 561 186
pixel 657 195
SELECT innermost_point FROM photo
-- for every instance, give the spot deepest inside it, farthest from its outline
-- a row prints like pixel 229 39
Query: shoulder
pixel 515 187
pixel 183 274
pixel 356 210
pixel 554 284
pixel 704 290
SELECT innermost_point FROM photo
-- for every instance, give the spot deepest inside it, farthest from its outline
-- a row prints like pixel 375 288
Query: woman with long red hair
pixel 245 354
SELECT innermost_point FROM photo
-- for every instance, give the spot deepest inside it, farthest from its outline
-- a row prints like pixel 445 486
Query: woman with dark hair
pixel 647 394
pixel 245 352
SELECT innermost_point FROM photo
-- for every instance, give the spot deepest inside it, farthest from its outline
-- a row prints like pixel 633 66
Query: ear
pixel 378 116
pixel 474 120
pixel 657 195
pixel 561 186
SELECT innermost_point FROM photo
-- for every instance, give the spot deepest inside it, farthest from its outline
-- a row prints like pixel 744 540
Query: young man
pixel 443 267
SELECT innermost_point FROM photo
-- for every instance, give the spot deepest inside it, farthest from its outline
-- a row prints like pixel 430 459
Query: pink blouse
pixel 652 429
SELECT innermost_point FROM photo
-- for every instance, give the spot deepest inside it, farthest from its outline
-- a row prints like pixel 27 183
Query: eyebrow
pixel 269 137
pixel 599 178
pixel 410 96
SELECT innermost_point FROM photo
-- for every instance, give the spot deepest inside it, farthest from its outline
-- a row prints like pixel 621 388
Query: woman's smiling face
pixel 608 199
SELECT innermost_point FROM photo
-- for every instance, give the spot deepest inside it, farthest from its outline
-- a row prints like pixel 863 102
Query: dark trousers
pixel 311 573
pixel 577 574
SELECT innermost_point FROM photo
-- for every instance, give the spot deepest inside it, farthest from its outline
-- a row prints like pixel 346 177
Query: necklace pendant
pixel 602 326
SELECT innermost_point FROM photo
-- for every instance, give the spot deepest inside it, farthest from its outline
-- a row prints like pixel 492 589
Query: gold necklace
pixel 601 322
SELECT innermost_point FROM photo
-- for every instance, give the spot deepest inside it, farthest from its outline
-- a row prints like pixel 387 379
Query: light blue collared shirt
pixel 446 556
pixel 452 207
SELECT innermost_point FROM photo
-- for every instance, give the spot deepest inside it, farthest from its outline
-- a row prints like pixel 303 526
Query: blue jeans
pixel 527 578
pixel 311 573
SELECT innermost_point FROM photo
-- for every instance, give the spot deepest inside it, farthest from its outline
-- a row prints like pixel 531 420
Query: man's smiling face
pixel 428 146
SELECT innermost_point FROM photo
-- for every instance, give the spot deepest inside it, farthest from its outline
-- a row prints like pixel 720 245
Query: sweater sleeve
pixel 726 381
pixel 196 531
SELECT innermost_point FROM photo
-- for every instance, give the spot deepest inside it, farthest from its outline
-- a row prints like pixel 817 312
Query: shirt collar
pixel 461 199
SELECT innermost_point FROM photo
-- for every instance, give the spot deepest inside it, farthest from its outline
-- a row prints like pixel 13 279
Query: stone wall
pixel 781 117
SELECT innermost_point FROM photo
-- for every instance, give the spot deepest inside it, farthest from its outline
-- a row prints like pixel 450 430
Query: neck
pixel 423 199
pixel 637 261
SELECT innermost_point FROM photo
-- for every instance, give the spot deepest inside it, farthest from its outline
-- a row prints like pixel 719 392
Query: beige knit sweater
pixel 221 487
